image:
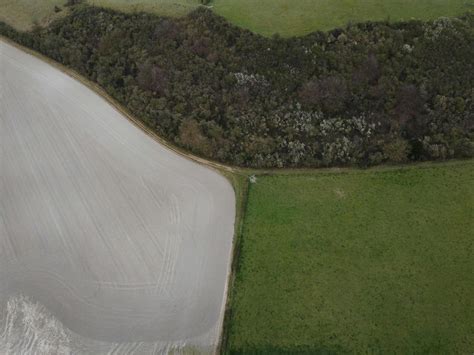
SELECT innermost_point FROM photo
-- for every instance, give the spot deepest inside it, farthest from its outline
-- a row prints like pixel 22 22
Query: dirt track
pixel 113 240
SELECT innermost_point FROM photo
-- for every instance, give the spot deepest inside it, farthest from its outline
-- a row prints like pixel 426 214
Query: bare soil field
pixel 109 242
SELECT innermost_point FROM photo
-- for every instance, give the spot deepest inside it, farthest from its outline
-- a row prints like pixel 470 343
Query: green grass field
pixel 377 261
pixel 286 17
pixel 294 18
pixel 171 8
pixel 23 13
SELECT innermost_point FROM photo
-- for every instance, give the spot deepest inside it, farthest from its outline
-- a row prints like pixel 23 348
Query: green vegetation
pixel 368 94
pixel 267 17
pixel 295 18
pixel 160 7
pixel 22 14
pixel 376 261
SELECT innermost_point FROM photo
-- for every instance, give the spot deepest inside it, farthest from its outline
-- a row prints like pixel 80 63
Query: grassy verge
pixel 358 261
pixel 295 18
pixel 240 183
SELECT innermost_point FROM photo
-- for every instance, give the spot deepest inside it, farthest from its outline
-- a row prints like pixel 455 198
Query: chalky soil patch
pixel 108 240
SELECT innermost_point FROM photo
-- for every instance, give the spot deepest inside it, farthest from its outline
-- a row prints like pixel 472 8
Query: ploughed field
pixel 377 261
pixel 108 240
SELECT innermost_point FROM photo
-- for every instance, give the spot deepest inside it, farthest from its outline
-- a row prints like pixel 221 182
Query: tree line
pixel 363 95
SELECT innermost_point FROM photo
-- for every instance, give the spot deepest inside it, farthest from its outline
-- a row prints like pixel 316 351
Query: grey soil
pixel 114 241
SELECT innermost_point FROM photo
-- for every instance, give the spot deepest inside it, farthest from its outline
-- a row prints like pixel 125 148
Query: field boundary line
pixel 122 110
pixel 243 171
pixel 242 195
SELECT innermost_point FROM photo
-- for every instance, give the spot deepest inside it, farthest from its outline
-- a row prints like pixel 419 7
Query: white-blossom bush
pixel 435 29
pixel 341 150
pixel 338 125
pixel 343 138
pixel 299 120
pixel 407 48
pixel 250 79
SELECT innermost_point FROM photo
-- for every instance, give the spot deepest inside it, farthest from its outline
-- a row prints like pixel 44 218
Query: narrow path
pixel 118 242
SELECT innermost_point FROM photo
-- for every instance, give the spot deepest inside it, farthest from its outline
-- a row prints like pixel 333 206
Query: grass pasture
pixel 295 18
pixel 22 14
pixel 267 17
pixel 171 8
pixel 376 261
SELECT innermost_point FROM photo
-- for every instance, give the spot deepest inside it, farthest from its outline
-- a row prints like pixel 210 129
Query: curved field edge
pixel 216 168
pixel 238 178
pixel 135 121
pixel 288 199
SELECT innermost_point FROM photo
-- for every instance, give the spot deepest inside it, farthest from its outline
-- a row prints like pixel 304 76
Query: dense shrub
pixel 366 94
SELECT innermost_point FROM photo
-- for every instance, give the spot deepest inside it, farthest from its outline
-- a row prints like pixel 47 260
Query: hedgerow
pixel 363 95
